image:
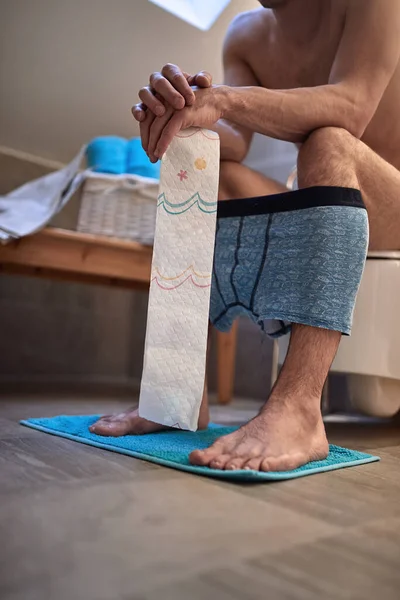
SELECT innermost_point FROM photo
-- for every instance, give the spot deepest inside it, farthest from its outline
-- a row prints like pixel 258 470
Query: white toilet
pixel 371 355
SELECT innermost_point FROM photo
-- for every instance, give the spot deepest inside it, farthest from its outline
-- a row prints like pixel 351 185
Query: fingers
pixel 171 86
pixel 169 91
pixel 139 112
pixel 144 127
pixel 149 98
pixel 166 90
pixel 174 125
pixel 203 79
pixel 156 130
pixel 179 81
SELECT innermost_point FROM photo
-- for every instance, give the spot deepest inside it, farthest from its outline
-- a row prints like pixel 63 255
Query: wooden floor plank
pixel 80 522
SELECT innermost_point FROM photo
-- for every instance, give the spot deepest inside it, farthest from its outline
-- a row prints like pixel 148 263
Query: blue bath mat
pixel 172 448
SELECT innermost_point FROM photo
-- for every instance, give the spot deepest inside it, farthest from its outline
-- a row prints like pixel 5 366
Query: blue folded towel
pixel 117 156
pixel 138 162
pixel 107 154
pixel 172 448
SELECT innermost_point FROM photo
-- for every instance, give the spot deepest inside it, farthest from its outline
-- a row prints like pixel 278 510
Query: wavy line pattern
pixel 189 277
pixel 206 207
pixel 190 268
pixel 202 132
pixel 162 197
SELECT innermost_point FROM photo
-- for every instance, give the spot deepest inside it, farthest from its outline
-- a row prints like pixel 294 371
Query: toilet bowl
pixel 370 357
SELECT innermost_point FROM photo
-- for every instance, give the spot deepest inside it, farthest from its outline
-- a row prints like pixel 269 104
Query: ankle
pixel 302 403
pixel 203 422
pixel 204 414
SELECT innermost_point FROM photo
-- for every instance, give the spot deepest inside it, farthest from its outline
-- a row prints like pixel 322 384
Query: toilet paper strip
pixel 177 323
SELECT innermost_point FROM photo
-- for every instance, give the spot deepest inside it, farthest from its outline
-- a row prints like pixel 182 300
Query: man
pixel 324 74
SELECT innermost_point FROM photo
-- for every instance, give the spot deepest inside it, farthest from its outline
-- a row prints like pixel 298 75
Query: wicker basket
pixel 119 206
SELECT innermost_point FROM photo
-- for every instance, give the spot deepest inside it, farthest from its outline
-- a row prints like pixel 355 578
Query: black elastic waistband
pixel 299 199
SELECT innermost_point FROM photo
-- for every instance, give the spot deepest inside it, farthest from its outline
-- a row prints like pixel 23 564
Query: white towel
pixel 177 323
pixel 30 207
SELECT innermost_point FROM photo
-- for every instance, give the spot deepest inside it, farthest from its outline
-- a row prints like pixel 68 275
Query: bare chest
pixel 281 64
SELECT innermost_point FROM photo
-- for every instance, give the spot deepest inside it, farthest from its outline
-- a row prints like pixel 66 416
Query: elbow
pixel 355 113
pixel 354 121
pixel 359 121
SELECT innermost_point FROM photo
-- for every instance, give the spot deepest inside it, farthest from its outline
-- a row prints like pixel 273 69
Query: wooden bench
pixel 72 256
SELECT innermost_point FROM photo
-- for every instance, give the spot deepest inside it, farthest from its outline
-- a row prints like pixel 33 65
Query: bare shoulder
pixel 245 30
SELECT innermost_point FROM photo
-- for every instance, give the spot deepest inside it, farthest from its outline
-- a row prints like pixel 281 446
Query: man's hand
pixel 170 86
pixel 205 111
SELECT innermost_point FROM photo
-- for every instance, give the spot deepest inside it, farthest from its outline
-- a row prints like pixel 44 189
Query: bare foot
pixel 281 438
pixel 129 422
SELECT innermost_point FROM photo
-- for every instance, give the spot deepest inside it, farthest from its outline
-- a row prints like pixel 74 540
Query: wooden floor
pixel 79 523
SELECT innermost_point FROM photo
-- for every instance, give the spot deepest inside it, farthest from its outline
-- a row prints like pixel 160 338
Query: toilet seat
pixel 370 356
pixel 384 254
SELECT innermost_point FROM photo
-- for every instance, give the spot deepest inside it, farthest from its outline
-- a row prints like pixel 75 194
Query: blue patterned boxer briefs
pixel 295 257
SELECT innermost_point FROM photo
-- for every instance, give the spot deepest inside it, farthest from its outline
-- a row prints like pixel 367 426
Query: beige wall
pixel 71 69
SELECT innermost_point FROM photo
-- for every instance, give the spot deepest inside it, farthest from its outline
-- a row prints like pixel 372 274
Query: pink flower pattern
pixel 182 175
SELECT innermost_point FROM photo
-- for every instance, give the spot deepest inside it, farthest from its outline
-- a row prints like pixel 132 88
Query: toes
pixel 253 464
pixel 100 422
pixel 197 458
pixel 203 458
pixel 105 418
pixel 234 464
pixel 111 428
pixel 285 462
pixel 220 461
pixel 96 426
pixel 269 464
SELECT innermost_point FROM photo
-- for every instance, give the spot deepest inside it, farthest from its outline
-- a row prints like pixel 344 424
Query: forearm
pixel 289 115
pixel 234 142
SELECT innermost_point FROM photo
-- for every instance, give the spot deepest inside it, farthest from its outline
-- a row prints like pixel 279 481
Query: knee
pixel 327 141
pixel 229 175
pixel 327 157
pixel 228 170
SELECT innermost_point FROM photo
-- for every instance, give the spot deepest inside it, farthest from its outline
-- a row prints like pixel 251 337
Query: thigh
pixel 380 186
pixel 239 181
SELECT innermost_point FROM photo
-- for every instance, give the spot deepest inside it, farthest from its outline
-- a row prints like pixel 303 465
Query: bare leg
pixel 329 157
pixel 289 430
pixel 332 156
pixel 129 422
pixel 238 181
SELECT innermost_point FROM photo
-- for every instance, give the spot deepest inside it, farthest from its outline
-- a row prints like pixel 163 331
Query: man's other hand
pixel 170 86
pixel 204 112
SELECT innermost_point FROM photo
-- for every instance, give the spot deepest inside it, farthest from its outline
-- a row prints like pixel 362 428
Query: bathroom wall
pixel 69 71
